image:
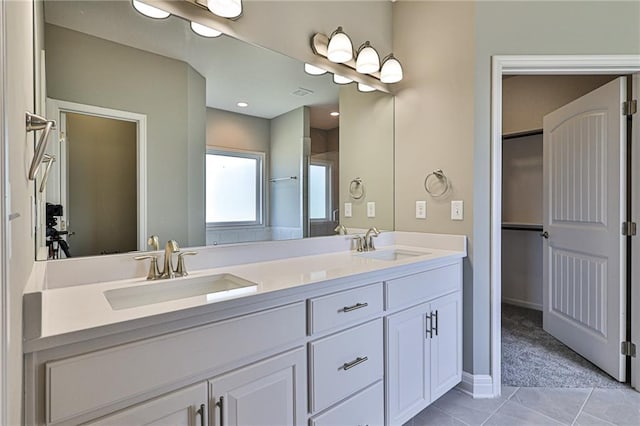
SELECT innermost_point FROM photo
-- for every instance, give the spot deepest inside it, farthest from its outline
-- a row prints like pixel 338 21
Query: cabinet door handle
pixel 200 412
pixel 436 321
pixel 354 307
pixel 359 360
pixel 428 320
pixel 220 405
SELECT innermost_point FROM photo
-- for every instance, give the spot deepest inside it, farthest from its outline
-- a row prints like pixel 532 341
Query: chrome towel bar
pixel 34 123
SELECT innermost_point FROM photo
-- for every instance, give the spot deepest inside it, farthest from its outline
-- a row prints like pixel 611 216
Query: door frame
pixel 55 109
pixel 530 65
pixel 4 222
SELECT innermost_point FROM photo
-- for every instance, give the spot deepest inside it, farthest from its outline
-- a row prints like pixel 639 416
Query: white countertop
pixel 77 308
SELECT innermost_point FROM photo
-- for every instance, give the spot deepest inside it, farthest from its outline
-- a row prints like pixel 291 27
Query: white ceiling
pixel 234 70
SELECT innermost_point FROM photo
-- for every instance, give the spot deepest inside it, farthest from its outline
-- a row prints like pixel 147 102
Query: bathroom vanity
pixel 324 336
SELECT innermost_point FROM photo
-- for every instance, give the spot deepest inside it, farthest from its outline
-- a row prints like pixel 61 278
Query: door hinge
pixel 629 107
pixel 628 349
pixel 628 229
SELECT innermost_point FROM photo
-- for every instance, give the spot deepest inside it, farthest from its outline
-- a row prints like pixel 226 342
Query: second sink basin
pixel 394 254
pixel 215 287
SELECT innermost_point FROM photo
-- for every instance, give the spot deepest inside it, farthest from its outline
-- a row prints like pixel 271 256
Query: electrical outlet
pixel 457 210
pixel 371 209
pixel 347 210
pixel 421 209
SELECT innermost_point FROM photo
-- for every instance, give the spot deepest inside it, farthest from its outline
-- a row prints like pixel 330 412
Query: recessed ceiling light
pixel 150 11
pixel 334 113
pixel 242 104
pixel 204 31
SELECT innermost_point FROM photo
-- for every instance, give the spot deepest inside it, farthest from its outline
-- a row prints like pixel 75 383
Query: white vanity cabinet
pixel 424 344
pixel 270 392
pixel 184 407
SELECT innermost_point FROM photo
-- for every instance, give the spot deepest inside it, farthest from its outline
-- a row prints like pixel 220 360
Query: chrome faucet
pixel 340 230
pixel 154 243
pixel 359 242
pixel 170 248
pixel 368 239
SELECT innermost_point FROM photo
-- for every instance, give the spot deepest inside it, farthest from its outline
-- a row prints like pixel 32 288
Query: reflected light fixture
pixel 365 88
pixel 204 31
pixel 334 114
pixel 391 71
pixel 367 61
pixel 340 49
pixel 338 79
pixel 242 104
pixel 313 70
pixel 150 11
pixel 225 8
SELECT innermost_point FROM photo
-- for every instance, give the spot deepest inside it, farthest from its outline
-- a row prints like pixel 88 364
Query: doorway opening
pixel 539 65
pixel 95 198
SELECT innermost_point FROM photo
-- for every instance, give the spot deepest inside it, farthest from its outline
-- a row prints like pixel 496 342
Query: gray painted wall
pixel 89 70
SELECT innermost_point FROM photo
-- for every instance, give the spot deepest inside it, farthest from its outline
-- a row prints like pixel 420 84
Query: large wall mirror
pixel 161 131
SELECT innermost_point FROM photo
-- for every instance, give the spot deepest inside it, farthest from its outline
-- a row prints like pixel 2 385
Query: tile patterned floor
pixel 535 406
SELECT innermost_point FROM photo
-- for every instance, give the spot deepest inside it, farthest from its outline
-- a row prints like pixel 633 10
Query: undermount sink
pixel 394 254
pixel 215 287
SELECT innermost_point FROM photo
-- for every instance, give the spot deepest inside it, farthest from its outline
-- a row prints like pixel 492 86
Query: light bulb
pixel 225 8
pixel 365 88
pixel 391 71
pixel 338 79
pixel 313 70
pixel 340 49
pixel 150 11
pixel 368 60
pixel 204 31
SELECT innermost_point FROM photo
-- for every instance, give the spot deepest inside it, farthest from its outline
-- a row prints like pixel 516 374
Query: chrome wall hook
pixel 35 122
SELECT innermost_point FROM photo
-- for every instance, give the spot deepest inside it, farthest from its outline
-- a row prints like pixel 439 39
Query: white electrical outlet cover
pixel 421 209
pixel 347 210
pixel 457 210
pixel 371 209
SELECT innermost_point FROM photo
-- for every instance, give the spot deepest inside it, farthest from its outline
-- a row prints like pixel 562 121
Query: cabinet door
pixel 185 407
pixel 269 392
pixel 408 363
pixel 446 343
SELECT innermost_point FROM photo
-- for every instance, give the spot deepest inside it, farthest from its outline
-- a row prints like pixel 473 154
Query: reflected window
pixel 319 191
pixel 233 188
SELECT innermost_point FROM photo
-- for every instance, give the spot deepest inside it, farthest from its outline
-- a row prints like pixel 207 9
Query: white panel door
pixel 584 258
pixel 407 364
pixel 446 344
pixel 267 393
pixel 635 245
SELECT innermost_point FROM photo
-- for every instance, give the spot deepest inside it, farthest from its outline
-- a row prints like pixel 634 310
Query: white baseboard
pixel 478 386
pixel 522 303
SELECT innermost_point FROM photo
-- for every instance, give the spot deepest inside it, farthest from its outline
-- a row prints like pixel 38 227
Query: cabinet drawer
pixel 345 362
pixel 344 308
pixel 85 383
pixel 413 289
pixel 365 408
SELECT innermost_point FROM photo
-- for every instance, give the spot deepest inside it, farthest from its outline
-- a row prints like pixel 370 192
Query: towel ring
pixel 439 175
pixel 356 188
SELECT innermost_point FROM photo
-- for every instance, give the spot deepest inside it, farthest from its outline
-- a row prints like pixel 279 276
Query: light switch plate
pixel 371 209
pixel 347 210
pixel 421 209
pixel 457 210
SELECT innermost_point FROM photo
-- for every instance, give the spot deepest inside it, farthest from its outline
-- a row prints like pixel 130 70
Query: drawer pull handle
pixel 359 360
pixel 200 412
pixel 436 327
pixel 354 307
pixel 220 404
pixel 429 326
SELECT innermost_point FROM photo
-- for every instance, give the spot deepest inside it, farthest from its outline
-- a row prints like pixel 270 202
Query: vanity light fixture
pixel 150 11
pixel 225 8
pixel 204 31
pixel 338 79
pixel 340 49
pixel 334 114
pixel 391 71
pixel 313 70
pixel 242 104
pixel 365 88
pixel 367 61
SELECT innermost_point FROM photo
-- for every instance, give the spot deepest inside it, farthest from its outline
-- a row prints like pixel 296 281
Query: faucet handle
pixel 359 239
pixel 154 272
pixel 181 270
